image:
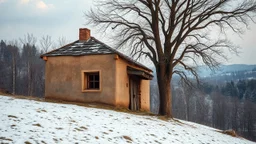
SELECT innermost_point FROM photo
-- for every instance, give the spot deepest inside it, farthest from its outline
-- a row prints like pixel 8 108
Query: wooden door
pixel 134 94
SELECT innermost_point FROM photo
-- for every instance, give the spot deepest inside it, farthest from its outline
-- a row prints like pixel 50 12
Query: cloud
pixel 2 1
pixel 24 1
pixel 39 4
pixel 42 5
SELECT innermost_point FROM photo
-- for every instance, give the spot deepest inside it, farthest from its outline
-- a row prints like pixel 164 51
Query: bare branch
pixel 46 43
pixel 29 39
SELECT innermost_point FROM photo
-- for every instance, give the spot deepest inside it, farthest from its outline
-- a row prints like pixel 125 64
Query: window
pixel 91 81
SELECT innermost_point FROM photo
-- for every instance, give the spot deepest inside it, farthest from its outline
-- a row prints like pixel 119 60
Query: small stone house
pixel 88 70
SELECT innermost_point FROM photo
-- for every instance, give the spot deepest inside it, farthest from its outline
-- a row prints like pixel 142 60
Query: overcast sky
pixel 65 17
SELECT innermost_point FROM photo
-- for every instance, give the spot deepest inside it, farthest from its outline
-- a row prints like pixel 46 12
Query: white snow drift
pixel 28 121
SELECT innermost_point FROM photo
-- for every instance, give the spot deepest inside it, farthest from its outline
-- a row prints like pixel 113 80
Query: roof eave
pixel 138 65
pixel 41 56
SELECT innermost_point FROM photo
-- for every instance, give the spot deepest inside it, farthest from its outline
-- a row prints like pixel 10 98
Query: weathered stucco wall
pixel 122 86
pixel 145 95
pixel 63 78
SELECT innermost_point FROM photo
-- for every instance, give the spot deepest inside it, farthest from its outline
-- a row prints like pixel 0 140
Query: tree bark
pixel 164 86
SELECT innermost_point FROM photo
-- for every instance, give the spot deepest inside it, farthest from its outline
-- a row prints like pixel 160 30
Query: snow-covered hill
pixel 28 121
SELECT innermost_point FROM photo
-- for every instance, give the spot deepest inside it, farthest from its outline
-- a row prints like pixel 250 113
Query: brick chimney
pixel 84 34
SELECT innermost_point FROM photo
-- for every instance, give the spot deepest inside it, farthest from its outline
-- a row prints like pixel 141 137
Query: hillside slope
pixel 28 121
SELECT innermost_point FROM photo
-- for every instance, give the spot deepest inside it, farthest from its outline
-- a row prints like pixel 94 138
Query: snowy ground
pixel 28 121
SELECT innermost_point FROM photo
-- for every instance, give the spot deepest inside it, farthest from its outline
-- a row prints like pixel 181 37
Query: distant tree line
pixel 233 76
pixel 21 69
pixel 228 105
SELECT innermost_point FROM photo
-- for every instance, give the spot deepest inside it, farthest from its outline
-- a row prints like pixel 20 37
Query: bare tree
pixel 14 54
pixel 187 91
pixel 173 34
pixel 219 109
pixel 62 41
pixel 28 39
pixel 46 43
pixel 28 53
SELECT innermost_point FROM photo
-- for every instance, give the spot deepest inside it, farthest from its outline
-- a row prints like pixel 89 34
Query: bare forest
pixel 226 105
pixel 21 69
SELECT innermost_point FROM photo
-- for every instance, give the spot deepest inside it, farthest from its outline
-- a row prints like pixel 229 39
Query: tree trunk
pixel 164 86
pixel 186 102
pixel 13 75
pixel 188 112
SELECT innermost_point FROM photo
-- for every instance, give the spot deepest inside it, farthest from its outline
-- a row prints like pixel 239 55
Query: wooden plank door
pixel 134 94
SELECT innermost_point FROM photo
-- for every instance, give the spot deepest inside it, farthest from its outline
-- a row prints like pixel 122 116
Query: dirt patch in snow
pixel 127 138
pixel 230 132
pixel 5 139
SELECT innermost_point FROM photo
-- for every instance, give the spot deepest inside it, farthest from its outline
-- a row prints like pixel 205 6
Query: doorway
pixel 134 86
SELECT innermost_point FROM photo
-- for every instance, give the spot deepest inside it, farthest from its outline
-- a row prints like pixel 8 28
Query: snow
pixel 32 121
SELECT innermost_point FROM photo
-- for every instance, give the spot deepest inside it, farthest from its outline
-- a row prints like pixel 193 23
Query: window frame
pixel 85 81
